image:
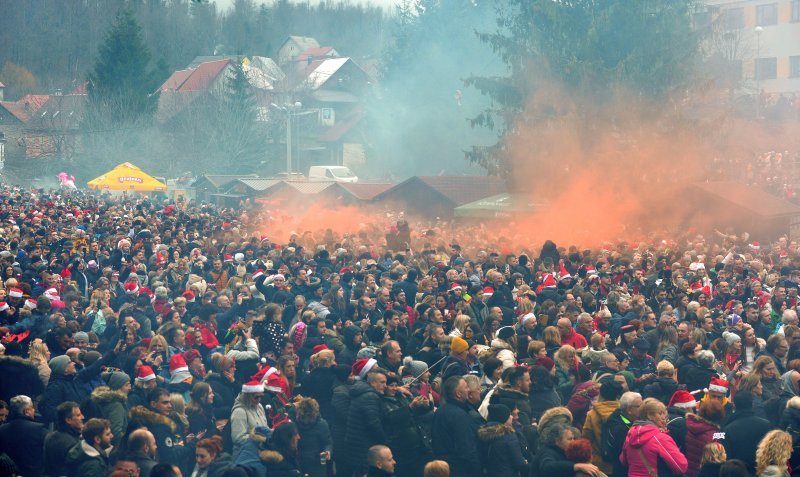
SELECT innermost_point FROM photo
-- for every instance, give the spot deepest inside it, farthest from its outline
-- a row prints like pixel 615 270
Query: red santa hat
pixel 15 293
pixel 455 286
pixel 145 374
pixel 30 303
pixel 755 246
pixel 488 291
pixel 318 348
pixel 718 385
pixel 177 363
pixel 683 399
pixel 270 379
pixel 188 294
pixel 563 273
pixel 228 257
pixel 160 259
pixel 548 281
pixel 258 273
pixel 252 386
pixel 363 366
pixel 3 306
pixel 131 288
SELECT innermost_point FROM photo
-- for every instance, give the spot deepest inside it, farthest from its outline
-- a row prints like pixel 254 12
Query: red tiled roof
pixel 175 81
pixel 24 107
pixel 458 190
pixel 204 75
pixel 315 52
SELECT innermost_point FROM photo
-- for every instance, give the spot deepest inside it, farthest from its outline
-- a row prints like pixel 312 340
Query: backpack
pixel 609 447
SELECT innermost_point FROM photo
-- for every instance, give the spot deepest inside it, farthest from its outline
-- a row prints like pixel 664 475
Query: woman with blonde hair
pixel 648 447
pixel 552 341
pixel 714 456
pixel 772 454
pixel 771 384
pixel 39 355
pixel 459 325
pixel 437 468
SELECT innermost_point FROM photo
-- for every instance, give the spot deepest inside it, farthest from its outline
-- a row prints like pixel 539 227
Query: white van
pixel 331 173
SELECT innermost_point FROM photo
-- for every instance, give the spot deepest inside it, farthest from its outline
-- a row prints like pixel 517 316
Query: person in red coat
pixel 649 449
pixel 569 336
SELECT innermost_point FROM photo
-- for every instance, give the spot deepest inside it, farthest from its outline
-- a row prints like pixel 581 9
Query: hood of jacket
pixel 149 417
pixel 500 344
pixel 788 386
pixel 605 408
pixel 698 425
pixel 509 392
pixel 642 432
pixel 493 430
pixel 270 456
pixel 555 415
pixel 104 394
pixel 349 333
pixel 83 451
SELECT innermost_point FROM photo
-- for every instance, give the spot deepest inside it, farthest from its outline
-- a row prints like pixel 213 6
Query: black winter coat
pixel 542 400
pixel 281 464
pixel 742 434
pixel 315 438
pixel 23 441
pixel 340 403
pixel 455 439
pixel 550 461
pixel 168 434
pixel 661 389
pixel 225 394
pixel 56 446
pixel 364 427
pixel 699 378
pixel 790 422
pixel 70 388
pixel 18 376
pixel 403 436
pixel 500 451
pixel 319 385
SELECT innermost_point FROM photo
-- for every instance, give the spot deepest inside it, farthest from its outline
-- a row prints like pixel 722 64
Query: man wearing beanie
pixel 456 363
pixel 499 444
pixel 111 402
pixel 67 384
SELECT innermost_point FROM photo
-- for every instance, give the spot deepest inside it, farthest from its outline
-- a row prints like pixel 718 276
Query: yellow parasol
pixel 126 176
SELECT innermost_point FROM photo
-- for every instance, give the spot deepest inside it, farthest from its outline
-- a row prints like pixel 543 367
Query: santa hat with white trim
pixel 131 288
pixel 362 366
pixel 683 399
pixel 252 386
pixel 271 379
pixel 718 385
pixel 145 374
pixel 30 303
pixel 15 293
pixel 3 306
pixel 178 370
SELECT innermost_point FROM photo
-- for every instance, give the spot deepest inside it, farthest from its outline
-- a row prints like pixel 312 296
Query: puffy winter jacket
pixel 500 449
pixel 699 432
pixel 315 438
pixel 593 430
pixel 455 439
pixel 243 419
pixel 657 448
pixel 84 460
pixel 112 406
pixel 364 427
pixel 504 353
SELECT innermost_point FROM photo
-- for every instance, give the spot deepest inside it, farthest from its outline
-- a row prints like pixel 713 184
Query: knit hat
pixel 499 413
pixel 734 319
pixel 362 366
pixel 116 379
pixel 367 352
pixel 545 362
pixel 188 294
pixel 253 386
pixel 683 399
pixel 458 345
pixel 731 338
pixel 59 364
pixel 416 368
pixel 641 344
pixel 506 332
pixel 145 374
pixel 718 385
pixel 81 336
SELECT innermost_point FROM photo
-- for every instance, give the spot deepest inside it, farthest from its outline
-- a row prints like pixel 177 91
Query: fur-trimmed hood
pixel 270 456
pixel 698 425
pixel 555 414
pixel 492 431
pixel 147 416
pixel 104 394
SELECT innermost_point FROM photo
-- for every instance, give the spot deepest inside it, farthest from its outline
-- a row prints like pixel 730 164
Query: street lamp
pixel 759 30
pixel 289 111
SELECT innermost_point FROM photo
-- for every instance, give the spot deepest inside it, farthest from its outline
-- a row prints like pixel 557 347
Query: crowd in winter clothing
pixel 147 337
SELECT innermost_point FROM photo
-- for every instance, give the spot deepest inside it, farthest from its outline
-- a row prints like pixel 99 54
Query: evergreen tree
pixel 123 85
pixel 594 52
pixel 241 135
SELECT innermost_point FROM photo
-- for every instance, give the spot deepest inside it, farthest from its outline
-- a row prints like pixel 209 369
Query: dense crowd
pixel 148 338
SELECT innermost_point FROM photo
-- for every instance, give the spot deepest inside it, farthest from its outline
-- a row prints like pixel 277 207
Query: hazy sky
pixel 224 4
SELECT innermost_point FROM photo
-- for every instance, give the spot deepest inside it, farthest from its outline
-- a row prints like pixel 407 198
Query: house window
pixel 796 10
pixel 767 14
pixel 702 20
pixel 794 66
pixel 733 18
pixel 766 68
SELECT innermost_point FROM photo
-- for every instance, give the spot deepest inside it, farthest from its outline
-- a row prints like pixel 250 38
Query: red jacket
pixel 575 339
pixel 655 444
pixel 699 432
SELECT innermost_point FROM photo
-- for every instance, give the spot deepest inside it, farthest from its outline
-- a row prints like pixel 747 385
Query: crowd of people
pixel 148 338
